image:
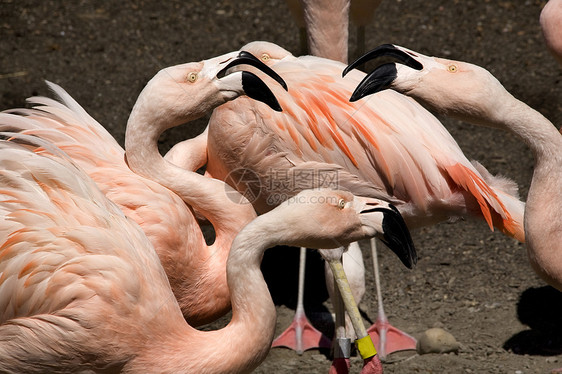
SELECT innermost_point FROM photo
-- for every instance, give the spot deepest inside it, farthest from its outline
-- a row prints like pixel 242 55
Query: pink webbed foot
pixel 301 336
pixel 340 366
pixel 389 339
pixel 372 365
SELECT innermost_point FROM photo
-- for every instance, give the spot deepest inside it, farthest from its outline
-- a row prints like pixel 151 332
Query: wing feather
pixel 387 140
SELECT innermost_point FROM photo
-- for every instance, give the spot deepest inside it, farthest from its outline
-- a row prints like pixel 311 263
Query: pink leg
pixel 342 344
pixel 372 365
pixel 387 338
pixel 340 366
pixel 301 335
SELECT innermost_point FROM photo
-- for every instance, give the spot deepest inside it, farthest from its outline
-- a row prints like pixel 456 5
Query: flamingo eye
pixel 341 203
pixel 265 57
pixel 192 77
pixel 452 68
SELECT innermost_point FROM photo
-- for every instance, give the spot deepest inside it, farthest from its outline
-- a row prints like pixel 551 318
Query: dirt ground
pixel 474 283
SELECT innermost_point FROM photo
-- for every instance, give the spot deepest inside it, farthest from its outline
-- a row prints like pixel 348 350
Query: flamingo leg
pixel 301 335
pixel 372 363
pixel 387 338
pixel 342 344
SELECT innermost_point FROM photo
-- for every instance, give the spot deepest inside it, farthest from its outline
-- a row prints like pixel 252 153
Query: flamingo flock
pixel 103 263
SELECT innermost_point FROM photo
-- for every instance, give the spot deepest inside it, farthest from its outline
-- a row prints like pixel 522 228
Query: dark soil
pixel 474 283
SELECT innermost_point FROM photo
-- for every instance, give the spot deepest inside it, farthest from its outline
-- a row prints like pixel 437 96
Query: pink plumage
pixel 387 146
pixel 82 289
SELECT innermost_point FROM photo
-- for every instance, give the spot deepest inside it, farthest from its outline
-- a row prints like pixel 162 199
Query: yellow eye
pixel 341 204
pixel 265 57
pixel 192 77
pixel 452 68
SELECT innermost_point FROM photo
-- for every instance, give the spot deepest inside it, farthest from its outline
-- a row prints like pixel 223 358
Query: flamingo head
pixel 331 219
pixel 454 88
pixel 182 93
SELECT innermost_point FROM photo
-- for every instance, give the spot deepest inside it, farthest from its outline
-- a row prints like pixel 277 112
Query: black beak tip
pixel 379 79
pixel 355 96
pixel 346 70
pixel 256 89
pixel 249 59
pixel 397 238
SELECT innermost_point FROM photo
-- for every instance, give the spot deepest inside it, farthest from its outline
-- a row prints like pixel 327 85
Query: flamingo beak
pixel 251 85
pixel 382 77
pixel 386 50
pixel 396 235
pixel 247 58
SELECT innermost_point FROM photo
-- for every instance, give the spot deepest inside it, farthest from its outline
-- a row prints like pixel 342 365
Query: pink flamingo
pixel 83 289
pixel 325 23
pixel 323 26
pixel 196 271
pixel 369 148
pixel 442 85
pixel 470 93
pixel 551 25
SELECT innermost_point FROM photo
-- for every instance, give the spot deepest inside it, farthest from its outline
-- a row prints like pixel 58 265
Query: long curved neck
pixel 244 343
pixel 533 128
pixel 542 211
pixel 212 198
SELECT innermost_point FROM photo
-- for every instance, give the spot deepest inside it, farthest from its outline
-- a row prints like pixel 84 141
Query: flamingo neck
pixel 219 203
pixel 542 211
pixel 244 343
pixel 324 39
pixel 532 127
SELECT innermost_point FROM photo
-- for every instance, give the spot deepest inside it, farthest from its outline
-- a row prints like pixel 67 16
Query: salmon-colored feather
pixel 387 140
pixel 169 223
pixel 479 189
pixel 83 290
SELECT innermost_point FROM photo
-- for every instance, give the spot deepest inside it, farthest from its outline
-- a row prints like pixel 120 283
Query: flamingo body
pixel 84 291
pixel 76 273
pixel 167 221
pixel 441 85
pixel 195 270
pixel 387 147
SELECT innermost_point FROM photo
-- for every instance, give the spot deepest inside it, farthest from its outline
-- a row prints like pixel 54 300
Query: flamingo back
pixel 386 146
pixel 167 221
pixel 74 271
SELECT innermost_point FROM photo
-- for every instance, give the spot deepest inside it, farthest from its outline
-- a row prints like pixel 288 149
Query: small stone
pixel 437 340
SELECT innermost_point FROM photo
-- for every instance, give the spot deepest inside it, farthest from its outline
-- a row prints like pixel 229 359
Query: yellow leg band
pixel 365 347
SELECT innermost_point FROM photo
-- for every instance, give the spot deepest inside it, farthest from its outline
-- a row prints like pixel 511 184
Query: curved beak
pixel 378 80
pixel 251 85
pixel 382 77
pixel 385 50
pixel 246 58
pixel 256 89
pixel 395 233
